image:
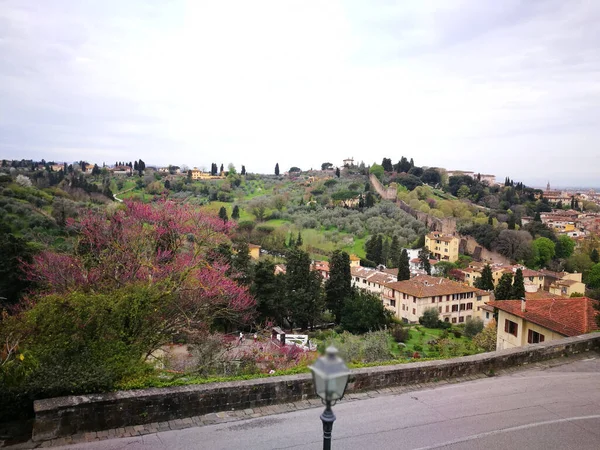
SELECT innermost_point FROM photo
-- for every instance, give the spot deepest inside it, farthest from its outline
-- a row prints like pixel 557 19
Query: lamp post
pixel 330 378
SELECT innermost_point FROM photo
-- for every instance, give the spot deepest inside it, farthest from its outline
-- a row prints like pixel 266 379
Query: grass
pixel 420 335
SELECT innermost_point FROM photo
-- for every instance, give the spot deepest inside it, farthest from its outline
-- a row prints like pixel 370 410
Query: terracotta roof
pixel 566 316
pixel 426 286
pixel 391 271
pixel 564 283
pixel 551 274
pixel 540 295
pixel 532 273
pixel 253 246
pixel 354 258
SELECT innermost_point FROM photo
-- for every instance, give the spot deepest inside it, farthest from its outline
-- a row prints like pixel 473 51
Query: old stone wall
pixel 390 193
pixel 64 416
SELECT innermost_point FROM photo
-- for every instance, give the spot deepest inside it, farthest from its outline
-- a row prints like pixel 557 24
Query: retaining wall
pixel 64 416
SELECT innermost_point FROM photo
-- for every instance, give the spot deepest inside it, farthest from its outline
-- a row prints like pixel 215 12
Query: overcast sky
pixel 505 87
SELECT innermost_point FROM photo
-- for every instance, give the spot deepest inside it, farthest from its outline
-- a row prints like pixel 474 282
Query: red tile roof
pixel 566 316
pixel 426 286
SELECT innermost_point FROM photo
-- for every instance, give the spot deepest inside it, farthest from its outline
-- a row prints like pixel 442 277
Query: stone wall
pixel 63 416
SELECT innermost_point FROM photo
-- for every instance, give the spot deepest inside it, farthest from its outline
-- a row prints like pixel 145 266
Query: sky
pixel 510 88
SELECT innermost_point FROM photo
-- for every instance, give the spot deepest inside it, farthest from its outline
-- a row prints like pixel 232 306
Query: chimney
pixel 523 305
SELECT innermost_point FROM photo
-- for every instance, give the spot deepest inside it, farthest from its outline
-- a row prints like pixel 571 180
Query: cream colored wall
pixel 424 303
pixel 572 276
pixel 506 340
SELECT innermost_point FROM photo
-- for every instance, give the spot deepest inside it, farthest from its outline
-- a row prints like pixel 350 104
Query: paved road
pixel 555 408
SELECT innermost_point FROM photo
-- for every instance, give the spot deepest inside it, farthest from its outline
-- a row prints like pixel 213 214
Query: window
pixel 433 299
pixel 469 305
pixel 446 319
pixel 447 308
pixel 414 299
pixel 487 315
pixel 393 303
pixel 414 311
pixel 479 298
pixel 533 337
pixel 461 319
pixel 454 320
pixel 454 308
pixel 463 306
pixel 511 327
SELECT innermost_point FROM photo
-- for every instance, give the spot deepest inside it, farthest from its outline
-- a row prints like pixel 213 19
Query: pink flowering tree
pixel 164 245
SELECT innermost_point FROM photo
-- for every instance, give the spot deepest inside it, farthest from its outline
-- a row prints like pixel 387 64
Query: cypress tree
pixel 594 256
pixel 299 240
pixel 424 258
pixel 504 288
pixel 338 288
pixel 518 286
pixel 223 214
pixel 235 214
pixel 403 266
pixel 486 280
pixel 277 169
pixel 394 252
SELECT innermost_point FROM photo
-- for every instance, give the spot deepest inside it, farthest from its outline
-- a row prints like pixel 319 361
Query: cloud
pixel 509 87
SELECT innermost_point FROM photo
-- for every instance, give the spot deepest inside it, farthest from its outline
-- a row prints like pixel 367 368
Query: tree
pixel 424 260
pixel 258 207
pixel 299 240
pixel 294 169
pixel 96 170
pixel 337 172
pixel 13 280
pixel 387 165
pixel 304 292
pixel 63 209
pixel 394 253
pixel 537 217
pixel 431 176
pixel 243 172
pixel 277 169
pixel 222 169
pixel 235 214
pixel 403 165
pixel 377 170
pixel 445 268
pixel 374 249
pixel 594 256
pixel 430 318
pixel 326 166
pixel 463 191
pixel 223 214
pixel 403 266
pixel 167 184
pixel 593 277
pixel 473 326
pixel 486 280
pixel 518 287
pixel 369 200
pixel 266 288
pixel 338 287
pixel 486 339
pixel 504 288
pixel 515 245
pixel 544 250
pixel 564 247
pixel 363 312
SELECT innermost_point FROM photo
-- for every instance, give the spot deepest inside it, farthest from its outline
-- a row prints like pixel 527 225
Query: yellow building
pixel 443 247
pixel 354 261
pixel 254 251
pixel 523 322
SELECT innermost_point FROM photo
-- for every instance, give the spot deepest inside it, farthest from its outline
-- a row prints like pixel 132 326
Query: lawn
pixel 420 335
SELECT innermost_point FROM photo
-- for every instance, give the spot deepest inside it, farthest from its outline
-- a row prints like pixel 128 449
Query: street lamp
pixel 330 378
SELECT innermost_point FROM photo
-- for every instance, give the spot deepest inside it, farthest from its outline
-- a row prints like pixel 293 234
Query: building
pixel 455 302
pixel 372 280
pixel 322 267
pixel 443 247
pixel 354 261
pixel 568 286
pixel 254 251
pixel 522 322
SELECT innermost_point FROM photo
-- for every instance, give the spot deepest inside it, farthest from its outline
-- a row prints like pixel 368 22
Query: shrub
pixel 430 318
pixel 457 334
pixel 400 333
pixel 473 327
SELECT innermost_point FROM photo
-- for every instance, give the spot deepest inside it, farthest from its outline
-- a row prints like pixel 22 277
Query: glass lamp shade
pixel 330 375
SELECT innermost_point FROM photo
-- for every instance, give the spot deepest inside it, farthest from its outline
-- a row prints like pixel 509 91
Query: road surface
pixel 554 408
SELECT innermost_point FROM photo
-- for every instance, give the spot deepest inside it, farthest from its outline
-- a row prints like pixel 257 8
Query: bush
pixel 400 333
pixel 473 327
pixel 370 347
pixel 457 334
pixel 430 318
